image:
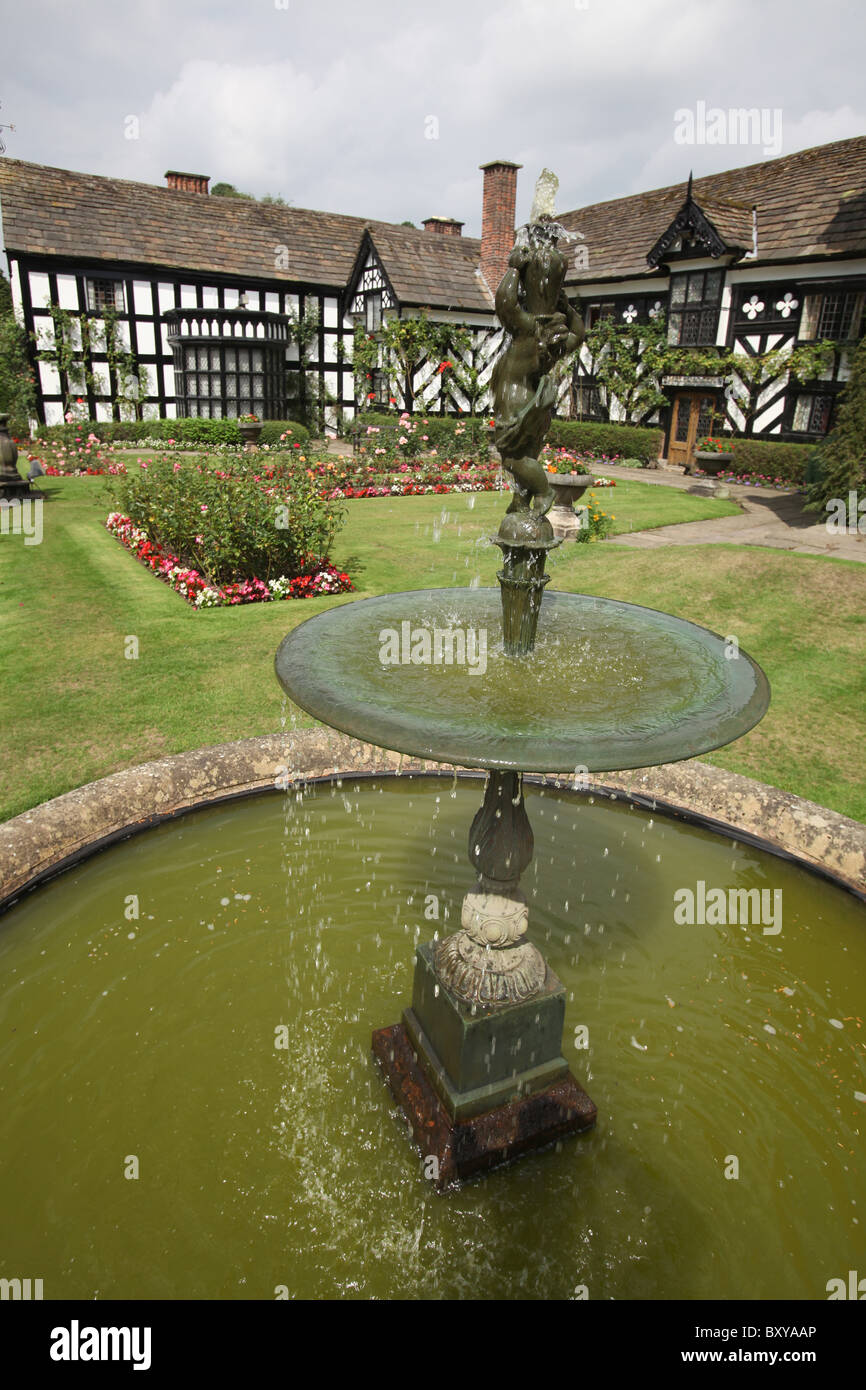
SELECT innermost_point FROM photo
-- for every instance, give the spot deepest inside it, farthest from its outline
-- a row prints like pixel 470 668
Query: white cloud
pixel 327 104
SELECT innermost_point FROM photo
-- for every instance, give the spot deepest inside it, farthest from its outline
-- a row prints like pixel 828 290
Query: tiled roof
pixel 57 212
pixel 812 203
pixel 426 268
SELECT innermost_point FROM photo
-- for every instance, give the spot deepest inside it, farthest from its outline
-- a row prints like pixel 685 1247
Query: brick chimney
pixel 444 226
pixel 497 218
pixel 187 183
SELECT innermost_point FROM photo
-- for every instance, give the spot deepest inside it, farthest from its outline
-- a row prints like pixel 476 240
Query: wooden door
pixel 691 420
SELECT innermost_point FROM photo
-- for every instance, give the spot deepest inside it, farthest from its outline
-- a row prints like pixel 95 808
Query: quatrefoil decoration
pixel 630 313
pixel 754 307
pixel 787 305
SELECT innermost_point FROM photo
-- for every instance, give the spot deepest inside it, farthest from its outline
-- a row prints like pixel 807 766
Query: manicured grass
pixel 74 708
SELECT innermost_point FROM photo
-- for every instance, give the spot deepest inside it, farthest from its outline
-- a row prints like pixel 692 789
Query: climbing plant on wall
pixel 631 361
pixel 76 337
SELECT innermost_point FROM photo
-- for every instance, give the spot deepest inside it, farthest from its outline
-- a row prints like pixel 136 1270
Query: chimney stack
pixel 497 219
pixel 187 183
pixel 443 226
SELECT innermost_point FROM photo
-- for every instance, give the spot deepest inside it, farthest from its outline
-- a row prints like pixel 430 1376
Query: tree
pixel 406 342
pixel 228 190
pixel 17 379
pixel 841 456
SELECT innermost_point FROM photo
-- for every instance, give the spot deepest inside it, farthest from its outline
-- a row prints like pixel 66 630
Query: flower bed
pixel 345 478
pixel 191 585
pixel 749 479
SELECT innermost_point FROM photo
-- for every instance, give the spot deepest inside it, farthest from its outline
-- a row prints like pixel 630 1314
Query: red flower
pixel 443 365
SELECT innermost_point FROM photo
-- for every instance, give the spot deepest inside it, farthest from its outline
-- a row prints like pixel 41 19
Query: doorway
pixel 692 417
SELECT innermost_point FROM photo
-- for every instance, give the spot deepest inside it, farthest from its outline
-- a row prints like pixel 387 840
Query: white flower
pixel 754 307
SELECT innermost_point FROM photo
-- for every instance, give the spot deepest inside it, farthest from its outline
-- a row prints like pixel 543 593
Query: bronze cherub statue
pixel 532 307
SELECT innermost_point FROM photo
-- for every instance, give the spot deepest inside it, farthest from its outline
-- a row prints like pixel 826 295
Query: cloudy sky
pixel 385 109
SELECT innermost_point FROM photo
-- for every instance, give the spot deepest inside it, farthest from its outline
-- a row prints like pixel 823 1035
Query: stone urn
pixel 249 432
pixel 568 487
pixel 712 462
pixel 12 485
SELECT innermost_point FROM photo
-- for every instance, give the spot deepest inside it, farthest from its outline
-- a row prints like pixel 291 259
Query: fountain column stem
pixel 521 581
pixel 488 962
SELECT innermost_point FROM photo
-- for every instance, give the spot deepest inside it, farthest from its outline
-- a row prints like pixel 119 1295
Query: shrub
pixel 192 431
pixel 231 526
pixel 593 437
pixel 447 434
pixel 839 465
pixel 273 430
pixel 775 460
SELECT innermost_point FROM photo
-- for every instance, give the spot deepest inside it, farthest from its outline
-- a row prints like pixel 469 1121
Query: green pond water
pixel 263 1166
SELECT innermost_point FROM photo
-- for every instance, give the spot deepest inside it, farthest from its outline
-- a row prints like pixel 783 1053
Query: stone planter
pixel 568 488
pixel 12 486
pixel 249 432
pixel 713 463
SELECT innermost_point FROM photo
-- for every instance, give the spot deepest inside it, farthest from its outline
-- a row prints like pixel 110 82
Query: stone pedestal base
pixel 477 1059
pixel 462 1149
pixel 14 488
pixel 568 521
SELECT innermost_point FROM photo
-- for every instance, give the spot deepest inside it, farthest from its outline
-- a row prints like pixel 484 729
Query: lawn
pixel 74 708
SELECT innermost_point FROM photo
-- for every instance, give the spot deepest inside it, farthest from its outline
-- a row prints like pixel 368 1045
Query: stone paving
pixel 769 517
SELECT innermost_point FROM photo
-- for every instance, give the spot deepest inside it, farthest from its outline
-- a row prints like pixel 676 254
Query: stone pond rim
pixel 638 661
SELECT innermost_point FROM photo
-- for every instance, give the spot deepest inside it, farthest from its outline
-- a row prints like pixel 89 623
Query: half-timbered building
pixel 230 306
pixel 755 260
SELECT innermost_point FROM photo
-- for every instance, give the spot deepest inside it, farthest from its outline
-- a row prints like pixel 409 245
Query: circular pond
pixel 189 1108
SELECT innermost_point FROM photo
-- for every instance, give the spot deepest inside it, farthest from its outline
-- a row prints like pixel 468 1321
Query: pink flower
pixel 203 507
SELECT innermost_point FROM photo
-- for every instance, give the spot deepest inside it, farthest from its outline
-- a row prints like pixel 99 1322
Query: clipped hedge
pixel 773 460
pixel 272 430
pixel 594 437
pixel 192 430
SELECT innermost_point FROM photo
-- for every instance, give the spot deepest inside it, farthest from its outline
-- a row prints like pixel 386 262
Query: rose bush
pixel 229 525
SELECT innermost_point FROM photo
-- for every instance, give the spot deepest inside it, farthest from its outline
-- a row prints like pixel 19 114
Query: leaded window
pixel 105 294
pixel 587 399
pixel 373 311
pixel 693 316
pixel 812 414
pixel 379 383
pixel 229 362
pixel 838 315
pixel 596 312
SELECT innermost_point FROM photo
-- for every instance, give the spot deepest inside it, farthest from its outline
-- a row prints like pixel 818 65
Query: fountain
pixel 476 1062
pixel 188 1105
